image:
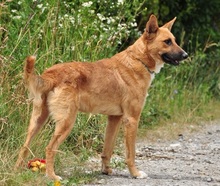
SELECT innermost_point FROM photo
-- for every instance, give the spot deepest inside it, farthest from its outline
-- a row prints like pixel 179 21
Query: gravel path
pixel 192 160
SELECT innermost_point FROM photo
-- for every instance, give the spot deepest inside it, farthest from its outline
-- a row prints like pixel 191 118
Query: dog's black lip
pixel 169 60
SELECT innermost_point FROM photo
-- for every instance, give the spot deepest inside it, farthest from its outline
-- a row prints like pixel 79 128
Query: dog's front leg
pixel 130 132
pixel 110 137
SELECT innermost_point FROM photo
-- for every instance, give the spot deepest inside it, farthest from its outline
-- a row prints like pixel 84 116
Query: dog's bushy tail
pixel 29 72
pixel 35 83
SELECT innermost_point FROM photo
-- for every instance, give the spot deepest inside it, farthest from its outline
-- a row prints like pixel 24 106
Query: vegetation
pixel 59 31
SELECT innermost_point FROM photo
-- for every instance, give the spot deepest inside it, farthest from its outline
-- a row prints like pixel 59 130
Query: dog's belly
pixel 100 107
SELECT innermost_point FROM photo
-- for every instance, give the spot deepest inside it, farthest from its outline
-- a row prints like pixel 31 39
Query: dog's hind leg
pixel 112 129
pixel 63 106
pixel 39 116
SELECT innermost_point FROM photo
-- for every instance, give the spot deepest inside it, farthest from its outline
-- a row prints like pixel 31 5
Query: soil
pixel 192 159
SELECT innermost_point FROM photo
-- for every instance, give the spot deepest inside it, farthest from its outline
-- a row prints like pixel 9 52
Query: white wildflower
pixel 39 6
pixel 88 43
pixel 110 20
pixel 101 36
pixel 94 37
pixel 134 24
pixel 119 42
pixel 13 11
pixel 39 36
pixel 17 17
pixel 79 20
pixel 101 17
pixel 123 25
pixel 127 32
pixel 66 5
pixel 105 29
pixel 92 11
pixel 87 4
pixel 139 33
pixel 120 2
pixel 72 20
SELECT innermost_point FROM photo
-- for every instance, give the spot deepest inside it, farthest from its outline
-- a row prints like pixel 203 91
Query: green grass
pixel 56 32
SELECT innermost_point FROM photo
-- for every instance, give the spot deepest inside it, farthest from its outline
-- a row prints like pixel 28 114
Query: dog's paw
pixel 54 177
pixel 141 175
pixel 108 172
pixel 59 178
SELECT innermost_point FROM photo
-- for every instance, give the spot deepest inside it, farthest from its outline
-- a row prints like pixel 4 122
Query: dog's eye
pixel 168 41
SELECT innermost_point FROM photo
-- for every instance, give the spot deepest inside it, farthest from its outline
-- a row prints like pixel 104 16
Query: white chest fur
pixel 152 77
pixel 158 67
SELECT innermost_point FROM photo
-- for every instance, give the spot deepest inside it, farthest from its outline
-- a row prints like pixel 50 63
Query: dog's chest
pixel 151 78
pixel 158 67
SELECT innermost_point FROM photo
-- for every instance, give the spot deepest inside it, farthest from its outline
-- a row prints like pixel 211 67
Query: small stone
pixel 217 179
pixel 209 179
pixel 102 181
pixel 177 177
pixel 181 138
pixel 191 158
pixel 175 145
pixel 208 161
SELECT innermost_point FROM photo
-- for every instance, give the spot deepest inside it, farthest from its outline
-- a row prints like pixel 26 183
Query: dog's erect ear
pixel 151 26
pixel 169 24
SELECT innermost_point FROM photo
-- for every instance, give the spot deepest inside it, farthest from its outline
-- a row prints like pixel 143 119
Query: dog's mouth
pixel 168 59
pixel 174 59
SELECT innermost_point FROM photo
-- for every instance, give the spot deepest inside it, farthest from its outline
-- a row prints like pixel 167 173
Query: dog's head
pixel 161 42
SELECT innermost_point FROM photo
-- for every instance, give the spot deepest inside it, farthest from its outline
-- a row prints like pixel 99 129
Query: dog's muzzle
pixel 174 59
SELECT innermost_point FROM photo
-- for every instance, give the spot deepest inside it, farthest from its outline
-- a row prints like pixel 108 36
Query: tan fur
pixel 116 87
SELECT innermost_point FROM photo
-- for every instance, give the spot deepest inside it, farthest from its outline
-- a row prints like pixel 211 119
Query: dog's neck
pixel 142 55
pixel 145 65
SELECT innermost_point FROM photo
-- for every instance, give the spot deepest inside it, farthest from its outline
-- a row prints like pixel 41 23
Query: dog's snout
pixel 185 55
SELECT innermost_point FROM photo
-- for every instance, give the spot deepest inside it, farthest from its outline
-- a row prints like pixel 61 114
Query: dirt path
pixel 192 160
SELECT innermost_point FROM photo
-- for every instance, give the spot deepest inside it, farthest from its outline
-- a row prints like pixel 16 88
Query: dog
pixel 116 87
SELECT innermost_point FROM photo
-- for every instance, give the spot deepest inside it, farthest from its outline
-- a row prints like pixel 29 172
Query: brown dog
pixel 116 87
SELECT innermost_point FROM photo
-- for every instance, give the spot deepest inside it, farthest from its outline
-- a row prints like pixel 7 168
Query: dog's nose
pixel 185 55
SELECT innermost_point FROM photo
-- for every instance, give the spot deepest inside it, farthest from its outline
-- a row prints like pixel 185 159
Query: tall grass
pixel 59 31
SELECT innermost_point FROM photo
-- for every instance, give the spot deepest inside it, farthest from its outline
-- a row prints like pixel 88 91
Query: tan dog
pixel 116 87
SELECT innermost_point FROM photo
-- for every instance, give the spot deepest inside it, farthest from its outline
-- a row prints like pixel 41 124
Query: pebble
pixel 209 179
pixel 177 177
pixel 101 181
pixel 174 145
